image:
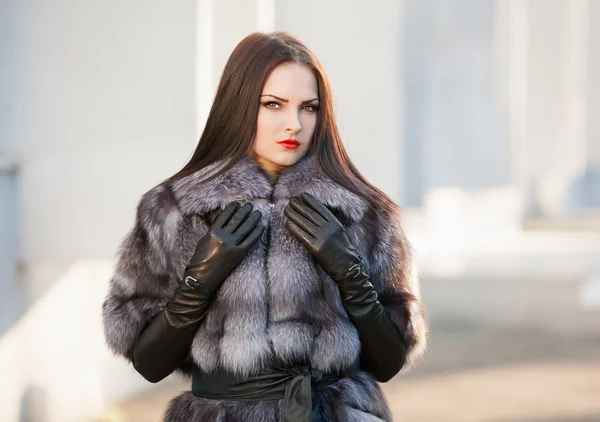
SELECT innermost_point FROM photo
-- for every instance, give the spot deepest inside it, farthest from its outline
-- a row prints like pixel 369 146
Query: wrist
pixel 190 301
pixel 191 282
pixel 350 269
pixel 343 267
pixel 202 275
pixel 356 289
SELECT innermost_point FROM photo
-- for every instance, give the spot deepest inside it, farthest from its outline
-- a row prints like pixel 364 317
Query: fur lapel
pixel 246 181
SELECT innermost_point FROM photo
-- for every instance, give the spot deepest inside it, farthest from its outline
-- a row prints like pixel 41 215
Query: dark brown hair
pixel 231 125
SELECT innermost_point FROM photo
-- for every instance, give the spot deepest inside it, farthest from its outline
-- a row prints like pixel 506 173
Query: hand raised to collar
pixel 315 226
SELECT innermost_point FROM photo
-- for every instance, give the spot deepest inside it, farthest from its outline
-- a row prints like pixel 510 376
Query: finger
pixel 253 236
pixel 300 221
pixel 317 205
pixel 298 232
pixel 224 216
pixel 248 225
pixel 306 211
pixel 239 217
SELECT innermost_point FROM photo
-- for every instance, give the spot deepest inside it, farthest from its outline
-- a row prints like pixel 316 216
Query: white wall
pixel 593 88
pixel 101 108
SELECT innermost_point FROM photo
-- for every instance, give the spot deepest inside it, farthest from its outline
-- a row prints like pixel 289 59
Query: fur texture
pixel 278 302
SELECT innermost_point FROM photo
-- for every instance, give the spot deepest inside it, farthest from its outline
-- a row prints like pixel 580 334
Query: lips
pixel 289 143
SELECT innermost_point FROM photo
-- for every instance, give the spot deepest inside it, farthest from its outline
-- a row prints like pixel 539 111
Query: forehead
pixel 291 80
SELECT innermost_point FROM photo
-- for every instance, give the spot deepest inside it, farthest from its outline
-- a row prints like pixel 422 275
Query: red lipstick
pixel 289 143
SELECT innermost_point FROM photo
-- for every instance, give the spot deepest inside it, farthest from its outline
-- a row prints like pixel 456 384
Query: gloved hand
pixel 323 234
pixel 383 349
pixel 224 246
pixel 165 342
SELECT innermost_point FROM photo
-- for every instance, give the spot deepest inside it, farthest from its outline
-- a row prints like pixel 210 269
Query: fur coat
pixel 278 302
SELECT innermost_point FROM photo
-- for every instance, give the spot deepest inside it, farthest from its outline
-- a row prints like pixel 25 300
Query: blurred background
pixel 481 118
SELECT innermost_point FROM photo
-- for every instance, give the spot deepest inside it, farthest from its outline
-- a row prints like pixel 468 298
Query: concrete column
pixel 593 89
pixel 10 297
pixel 575 79
pixel 512 41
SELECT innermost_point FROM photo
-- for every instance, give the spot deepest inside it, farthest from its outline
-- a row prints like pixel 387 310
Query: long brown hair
pixel 231 125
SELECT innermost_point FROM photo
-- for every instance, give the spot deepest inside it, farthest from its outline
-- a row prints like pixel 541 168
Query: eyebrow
pixel 287 101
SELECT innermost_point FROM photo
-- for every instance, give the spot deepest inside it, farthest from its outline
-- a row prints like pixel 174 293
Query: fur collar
pixel 246 181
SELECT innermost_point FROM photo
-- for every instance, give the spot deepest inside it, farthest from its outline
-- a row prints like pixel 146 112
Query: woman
pixel 271 273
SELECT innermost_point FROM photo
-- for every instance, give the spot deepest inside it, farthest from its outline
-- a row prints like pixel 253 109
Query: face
pixel 288 110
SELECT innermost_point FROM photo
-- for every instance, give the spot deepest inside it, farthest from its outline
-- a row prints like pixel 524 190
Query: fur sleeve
pixel 395 278
pixel 143 280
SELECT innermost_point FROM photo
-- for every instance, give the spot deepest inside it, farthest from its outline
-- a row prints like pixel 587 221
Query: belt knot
pixel 316 375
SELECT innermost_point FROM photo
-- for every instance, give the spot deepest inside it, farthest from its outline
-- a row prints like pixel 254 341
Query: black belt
pixel 298 387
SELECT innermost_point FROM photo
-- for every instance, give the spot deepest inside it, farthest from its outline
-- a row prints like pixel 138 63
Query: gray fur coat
pixel 278 302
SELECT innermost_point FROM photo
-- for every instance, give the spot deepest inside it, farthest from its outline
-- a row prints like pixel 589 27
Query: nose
pixel 293 122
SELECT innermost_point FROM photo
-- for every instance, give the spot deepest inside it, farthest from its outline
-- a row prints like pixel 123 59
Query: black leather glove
pixel 323 234
pixel 164 344
pixel 383 350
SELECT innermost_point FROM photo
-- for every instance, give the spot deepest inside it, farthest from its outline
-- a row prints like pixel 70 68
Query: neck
pixel 272 170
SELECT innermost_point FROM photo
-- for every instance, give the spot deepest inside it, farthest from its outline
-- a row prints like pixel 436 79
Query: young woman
pixel 268 270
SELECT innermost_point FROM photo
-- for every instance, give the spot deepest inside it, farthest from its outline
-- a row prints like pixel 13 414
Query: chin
pixel 285 159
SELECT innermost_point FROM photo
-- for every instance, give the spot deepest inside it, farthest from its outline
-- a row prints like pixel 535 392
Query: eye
pixel 311 108
pixel 271 104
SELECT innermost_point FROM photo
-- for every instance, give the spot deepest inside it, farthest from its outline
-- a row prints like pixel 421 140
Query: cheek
pixel 266 124
pixel 309 122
